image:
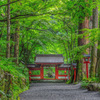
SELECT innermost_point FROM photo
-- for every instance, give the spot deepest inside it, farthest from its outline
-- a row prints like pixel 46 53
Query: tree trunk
pixel 16 47
pixel 12 45
pixel 81 42
pixel 8 30
pixel 94 47
pixel 98 64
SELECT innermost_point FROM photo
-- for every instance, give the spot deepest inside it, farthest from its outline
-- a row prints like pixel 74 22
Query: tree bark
pixel 98 55
pixel 8 30
pixel 94 47
pixel 81 42
pixel 12 45
pixel 16 47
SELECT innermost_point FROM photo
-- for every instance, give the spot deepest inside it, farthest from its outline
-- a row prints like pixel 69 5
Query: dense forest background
pixel 30 27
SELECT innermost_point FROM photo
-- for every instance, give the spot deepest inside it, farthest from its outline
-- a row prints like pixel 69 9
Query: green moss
pixel 13 79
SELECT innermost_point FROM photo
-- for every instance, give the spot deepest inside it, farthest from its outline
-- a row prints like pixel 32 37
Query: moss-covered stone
pixel 93 87
pixel 11 86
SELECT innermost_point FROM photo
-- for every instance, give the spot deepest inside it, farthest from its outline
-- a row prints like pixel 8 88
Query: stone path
pixel 58 91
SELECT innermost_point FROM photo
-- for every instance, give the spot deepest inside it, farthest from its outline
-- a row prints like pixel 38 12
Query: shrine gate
pixel 49 67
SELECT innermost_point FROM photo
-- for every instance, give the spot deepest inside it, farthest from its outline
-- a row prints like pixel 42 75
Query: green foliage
pixel 84 84
pixel 93 79
pixel 2 93
pixel 35 72
pixel 19 80
pixel 51 27
pixel 49 72
pixel 12 68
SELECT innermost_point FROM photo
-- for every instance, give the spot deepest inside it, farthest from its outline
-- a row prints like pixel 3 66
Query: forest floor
pixel 58 91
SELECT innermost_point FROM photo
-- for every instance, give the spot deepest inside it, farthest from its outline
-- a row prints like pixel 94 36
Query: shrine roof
pixel 49 58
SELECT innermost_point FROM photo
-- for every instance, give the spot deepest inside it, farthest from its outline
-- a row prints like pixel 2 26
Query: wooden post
pixel 87 70
pixel 41 72
pixel 86 61
pixel 29 75
pixel 69 73
pixel 74 74
pixel 65 75
pixel 56 72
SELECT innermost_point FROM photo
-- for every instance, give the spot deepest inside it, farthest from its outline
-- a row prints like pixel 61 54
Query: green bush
pixel 84 84
pixel 14 79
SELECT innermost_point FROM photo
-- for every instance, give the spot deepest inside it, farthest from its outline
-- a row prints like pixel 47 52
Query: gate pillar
pixel 41 72
pixel 56 72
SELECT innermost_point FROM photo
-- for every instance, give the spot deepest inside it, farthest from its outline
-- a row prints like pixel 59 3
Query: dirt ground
pixel 58 91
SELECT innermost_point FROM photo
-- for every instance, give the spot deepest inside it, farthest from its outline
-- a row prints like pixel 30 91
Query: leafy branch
pixel 9 3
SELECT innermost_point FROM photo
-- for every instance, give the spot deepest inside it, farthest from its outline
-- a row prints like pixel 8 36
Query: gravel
pixel 58 91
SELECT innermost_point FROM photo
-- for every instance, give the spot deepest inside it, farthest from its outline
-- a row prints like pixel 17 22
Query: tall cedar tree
pixel 16 40
pixel 8 30
pixel 94 47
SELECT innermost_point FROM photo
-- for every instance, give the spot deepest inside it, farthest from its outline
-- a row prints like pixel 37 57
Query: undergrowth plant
pixel 14 79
